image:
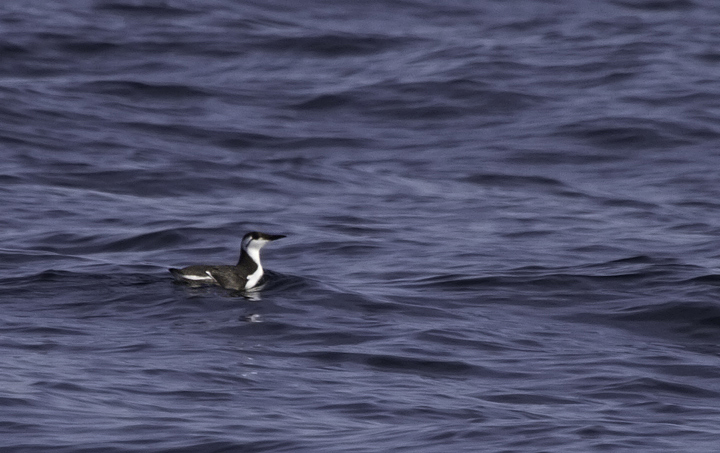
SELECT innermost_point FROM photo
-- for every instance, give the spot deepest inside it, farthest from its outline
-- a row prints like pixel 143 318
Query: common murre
pixel 245 275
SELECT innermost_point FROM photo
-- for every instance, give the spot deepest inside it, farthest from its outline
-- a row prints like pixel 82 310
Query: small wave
pixel 655 5
pixel 279 282
pixel 565 290
pixel 548 281
pixel 693 324
pixel 507 180
pixel 160 9
pixel 86 47
pixel 655 386
pixel 142 90
pixel 422 366
pixel 632 133
pixel 325 102
pixel 688 313
pixel 401 364
pixel 80 244
pixel 44 281
pixel 710 279
pixel 332 45
pixel 156 240
pixel 423 100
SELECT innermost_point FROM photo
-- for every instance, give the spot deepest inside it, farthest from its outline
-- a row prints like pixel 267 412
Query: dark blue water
pixel 502 217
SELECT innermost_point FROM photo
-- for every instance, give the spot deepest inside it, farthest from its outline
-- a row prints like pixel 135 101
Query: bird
pixel 246 274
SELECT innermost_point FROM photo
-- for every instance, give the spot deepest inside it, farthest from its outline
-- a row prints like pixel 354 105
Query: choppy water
pixel 502 222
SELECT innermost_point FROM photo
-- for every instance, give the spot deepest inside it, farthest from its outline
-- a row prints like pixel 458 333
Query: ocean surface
pixel 502 220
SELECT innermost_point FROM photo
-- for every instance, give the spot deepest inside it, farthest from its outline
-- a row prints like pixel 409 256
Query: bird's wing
pixel 229 280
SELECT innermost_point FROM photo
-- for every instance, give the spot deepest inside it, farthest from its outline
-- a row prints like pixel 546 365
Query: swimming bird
pixel 244 275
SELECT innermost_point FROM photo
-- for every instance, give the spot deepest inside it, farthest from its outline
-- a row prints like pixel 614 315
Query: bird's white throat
pixel 253 251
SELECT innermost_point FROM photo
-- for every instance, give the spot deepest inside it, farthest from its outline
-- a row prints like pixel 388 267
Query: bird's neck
pixel 250 257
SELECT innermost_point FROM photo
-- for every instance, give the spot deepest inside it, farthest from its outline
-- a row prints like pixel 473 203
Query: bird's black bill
pixel 274 237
